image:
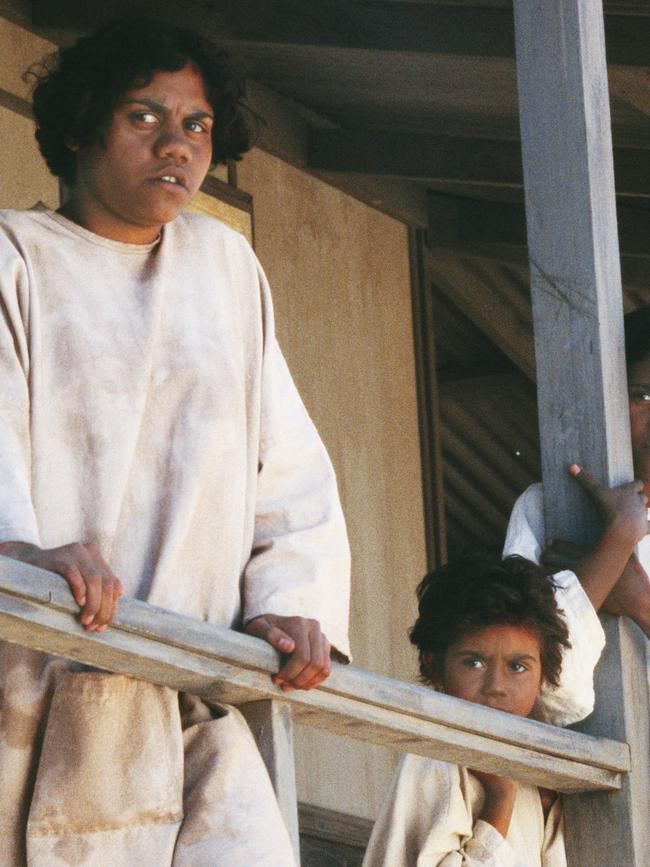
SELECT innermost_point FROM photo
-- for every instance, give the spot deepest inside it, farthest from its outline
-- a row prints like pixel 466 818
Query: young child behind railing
pixel 507 635
pixel 490 632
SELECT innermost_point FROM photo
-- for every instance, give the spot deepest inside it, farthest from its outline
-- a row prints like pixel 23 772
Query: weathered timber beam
pixel 459 159
pixel 463 222
pixel 420 155
pixel 433 489
pixel 482 303
pixel 37 610
pixel 387 26
pixel 635 270
pixel 582 395
pixel 272 727
pixel 383 26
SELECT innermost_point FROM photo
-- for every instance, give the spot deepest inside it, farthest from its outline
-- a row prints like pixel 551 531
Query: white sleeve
pixel 425 822
pixel 300 564
pixel 17 518
pixel 574 698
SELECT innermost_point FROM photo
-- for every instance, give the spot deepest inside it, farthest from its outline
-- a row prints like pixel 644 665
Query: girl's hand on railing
pixel 624 509
pixel 94 586
pixel 305 644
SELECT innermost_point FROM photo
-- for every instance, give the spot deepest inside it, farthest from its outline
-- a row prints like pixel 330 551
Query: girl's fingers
pixel 585 479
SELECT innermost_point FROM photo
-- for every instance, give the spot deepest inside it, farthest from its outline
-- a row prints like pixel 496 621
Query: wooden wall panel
pixel 24 178
pixel 19 50
pixel 340 278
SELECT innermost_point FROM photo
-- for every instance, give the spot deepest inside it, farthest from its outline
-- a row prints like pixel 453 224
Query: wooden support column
pixel 272 727
pixel 428 404
pixel 577 308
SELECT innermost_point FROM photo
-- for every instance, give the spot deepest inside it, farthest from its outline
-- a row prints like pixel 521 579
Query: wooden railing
pixel 37 610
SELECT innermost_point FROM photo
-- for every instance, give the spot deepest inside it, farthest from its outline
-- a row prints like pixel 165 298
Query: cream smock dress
pixel 145 406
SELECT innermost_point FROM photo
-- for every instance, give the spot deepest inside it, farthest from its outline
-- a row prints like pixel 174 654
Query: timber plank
pixel 36 609
pixel 489 162
pixel 272 727
pixel 476 29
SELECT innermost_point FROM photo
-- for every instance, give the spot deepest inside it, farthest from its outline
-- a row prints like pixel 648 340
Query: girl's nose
pixel 171 144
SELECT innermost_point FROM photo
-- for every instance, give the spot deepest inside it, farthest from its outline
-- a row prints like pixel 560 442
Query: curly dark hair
pixel 483 590
pixel 79 87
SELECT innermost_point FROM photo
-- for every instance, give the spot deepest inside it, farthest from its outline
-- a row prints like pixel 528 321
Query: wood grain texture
pixel 475 226
pixel 577 308
pixel 341 292
pixel 272 727
pixel 37 610
pixel 476 29
pixel 24 178
pixel 492 163
pixel 470 287
pixel 334 826
pixel 433 493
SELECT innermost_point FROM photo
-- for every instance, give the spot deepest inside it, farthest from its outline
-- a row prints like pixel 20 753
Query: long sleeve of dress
pixel 300 562
pixel 146 406
pixel 17 518
pixel 574 698
pixel 426 821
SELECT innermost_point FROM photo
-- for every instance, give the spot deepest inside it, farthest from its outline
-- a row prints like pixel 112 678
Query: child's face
pixel 498 666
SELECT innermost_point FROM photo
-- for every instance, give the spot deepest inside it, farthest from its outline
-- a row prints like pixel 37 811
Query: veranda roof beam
pixel 423 28
pixel 463 222
pixel 488 162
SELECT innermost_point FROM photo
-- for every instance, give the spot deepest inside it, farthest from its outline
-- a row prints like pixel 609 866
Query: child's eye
pixel 640 395
pixel 518 667
pixel 472 662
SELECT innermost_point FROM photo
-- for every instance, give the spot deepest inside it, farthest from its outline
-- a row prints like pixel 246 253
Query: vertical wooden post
pixel 272 727
pixel 577 310
pixel 428 407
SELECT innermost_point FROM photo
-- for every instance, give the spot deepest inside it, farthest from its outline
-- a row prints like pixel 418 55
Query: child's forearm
pixel 500 796
pixel 498 807
pixel 600 569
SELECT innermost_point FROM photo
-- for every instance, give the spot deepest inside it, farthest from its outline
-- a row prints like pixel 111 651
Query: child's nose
pixel 495 682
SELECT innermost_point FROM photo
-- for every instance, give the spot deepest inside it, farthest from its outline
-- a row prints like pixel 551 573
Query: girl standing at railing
pixel 611 576
pixel 153 443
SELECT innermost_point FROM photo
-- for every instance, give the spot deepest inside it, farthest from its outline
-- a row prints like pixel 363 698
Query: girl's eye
pixel 147 117
pixel 640 395
pixel 195 126
pixel 518 667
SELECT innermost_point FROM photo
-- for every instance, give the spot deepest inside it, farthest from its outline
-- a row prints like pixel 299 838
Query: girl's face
pixel 154 156
pixel 498 666
pixel 639 394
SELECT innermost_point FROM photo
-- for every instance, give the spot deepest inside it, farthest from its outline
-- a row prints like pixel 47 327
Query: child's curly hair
pixel 479 591
pixel 79 87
